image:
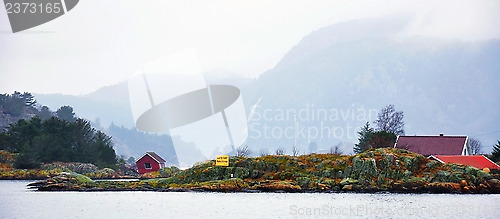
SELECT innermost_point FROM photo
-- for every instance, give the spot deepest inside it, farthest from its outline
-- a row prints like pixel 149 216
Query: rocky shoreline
pixel 377 170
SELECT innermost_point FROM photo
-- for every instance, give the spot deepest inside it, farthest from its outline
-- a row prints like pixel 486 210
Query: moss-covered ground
pixel 376 170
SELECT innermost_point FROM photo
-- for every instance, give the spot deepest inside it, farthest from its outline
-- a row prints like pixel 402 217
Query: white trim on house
pixel 491 161
pixel 435 158
pixel 396 143
pixel 465 151
pixel 149 156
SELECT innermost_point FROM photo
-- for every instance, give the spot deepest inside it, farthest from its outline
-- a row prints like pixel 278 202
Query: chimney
pixel 441 134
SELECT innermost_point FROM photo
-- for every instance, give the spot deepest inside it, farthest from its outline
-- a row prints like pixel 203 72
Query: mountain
pixel 109 109
pixel 339 77
pixel 105 106
pixel 111 104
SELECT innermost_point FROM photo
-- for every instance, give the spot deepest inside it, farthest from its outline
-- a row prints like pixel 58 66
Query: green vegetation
pixel 495 154
pixel 54 139
pixel 368 138
pixel 33 138
pixel 15 104
pixel 365 135
pixel 381 169
pixel 7 170
pixel 390 124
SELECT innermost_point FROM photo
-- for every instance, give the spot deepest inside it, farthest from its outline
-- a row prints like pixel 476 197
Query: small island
pixel 375 170
pixel 68 154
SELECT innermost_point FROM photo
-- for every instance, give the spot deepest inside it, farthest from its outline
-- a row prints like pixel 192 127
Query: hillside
pixel 17 106
pixel 106 105
pixel 338 77
pixel 355 68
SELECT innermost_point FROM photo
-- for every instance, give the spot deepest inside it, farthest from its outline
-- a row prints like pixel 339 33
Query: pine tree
pixel 66 113
pixel 496 152
pixel 365 136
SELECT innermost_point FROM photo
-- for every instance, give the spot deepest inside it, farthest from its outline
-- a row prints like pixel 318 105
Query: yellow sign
pixel 222 160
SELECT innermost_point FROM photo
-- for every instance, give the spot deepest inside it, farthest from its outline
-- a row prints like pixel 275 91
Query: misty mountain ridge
pixel 442 86
pixel 354 67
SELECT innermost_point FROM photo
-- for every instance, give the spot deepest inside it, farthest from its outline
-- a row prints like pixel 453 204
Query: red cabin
pixel 150 162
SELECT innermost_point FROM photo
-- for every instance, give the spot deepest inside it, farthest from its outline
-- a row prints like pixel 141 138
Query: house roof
pixel 153 155
pixel 478 161
pixel 433 145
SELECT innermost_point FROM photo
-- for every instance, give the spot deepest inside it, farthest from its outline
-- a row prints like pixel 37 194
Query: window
pixel 147 165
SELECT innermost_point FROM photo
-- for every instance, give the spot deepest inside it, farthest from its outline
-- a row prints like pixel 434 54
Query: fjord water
pixel 16 201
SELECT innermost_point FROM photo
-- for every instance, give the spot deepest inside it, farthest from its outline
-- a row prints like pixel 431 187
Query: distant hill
pixel 106 105
pixel 17 106
pixel 132 142
pixel 338 77
pixel 109 109
pixel 361 66
pixel 111 104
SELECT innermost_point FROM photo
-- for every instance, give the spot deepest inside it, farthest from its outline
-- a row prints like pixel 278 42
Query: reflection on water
pixel 18 202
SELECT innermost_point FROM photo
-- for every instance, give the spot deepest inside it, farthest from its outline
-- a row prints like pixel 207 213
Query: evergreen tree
pixel 54 139
pixel 496 152
pixel 45 113
pixel 29 99
pixel 103 148
pixel 27 159
pixel 382 139
pixel 365 136
pixel 66 113
pixel 12 104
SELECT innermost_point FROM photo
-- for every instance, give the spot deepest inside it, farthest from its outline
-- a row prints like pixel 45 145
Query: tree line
pixel 43 141
pixel 15 103
pixel 39 135
pixel 390 124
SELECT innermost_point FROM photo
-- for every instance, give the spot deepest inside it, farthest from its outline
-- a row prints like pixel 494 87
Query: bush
pixel 26 161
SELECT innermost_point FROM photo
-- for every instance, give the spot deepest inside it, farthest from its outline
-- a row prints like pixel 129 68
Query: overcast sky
pixel 100 43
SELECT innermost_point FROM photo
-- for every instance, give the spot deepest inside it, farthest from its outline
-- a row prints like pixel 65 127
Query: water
pixel 18 202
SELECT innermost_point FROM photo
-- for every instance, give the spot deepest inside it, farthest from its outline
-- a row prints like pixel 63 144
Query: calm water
pixel 18 202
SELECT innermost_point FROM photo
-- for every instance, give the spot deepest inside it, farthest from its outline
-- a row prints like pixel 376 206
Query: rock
pixel 482 188
pixel 440 187
pixel 494 181
pixel 348 181
pixel 363 168
pixel 347 187
pixel 494 185
pixel 64 181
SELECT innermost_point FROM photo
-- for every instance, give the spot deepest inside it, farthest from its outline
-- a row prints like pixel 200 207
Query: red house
pixel 434 145
pixel 149 162
pixel 477 161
